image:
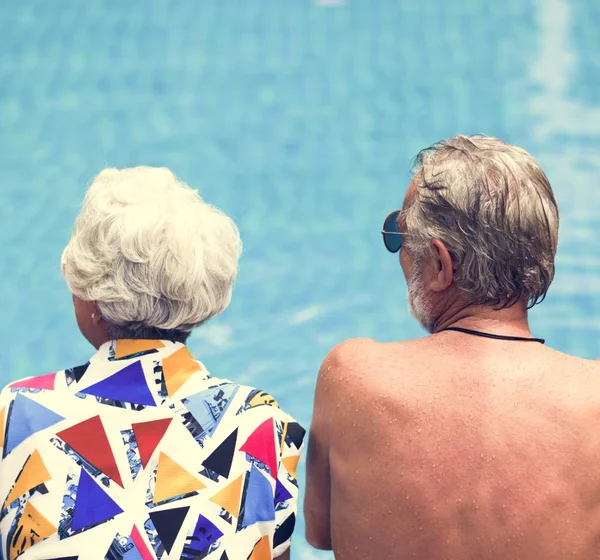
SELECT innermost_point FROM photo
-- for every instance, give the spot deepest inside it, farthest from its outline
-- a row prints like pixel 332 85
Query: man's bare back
pixel 457 447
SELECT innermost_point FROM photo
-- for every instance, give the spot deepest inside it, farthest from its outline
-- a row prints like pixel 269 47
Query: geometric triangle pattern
pixel 89 440
pixel 127 385
pixel 207 408
pixel 33 474
pixel 140 545
pixel 284 531
pixel 262 550
pixel 173 480
pixel 126 348
pixel 29 528
pixel 295 434
pixel 129 548
pixel 230 497
pixel 259 505
pixel 219 483
pixel 148 436
pixel 92 504
pixel 168 523
pixel 282 436
pixel 291 464
pixel 221 459
pixel 178 368
pixel 204 535
pixel 259 398
pixel 261 445
pixel 25 418
pixel 39 382
pixel 282 494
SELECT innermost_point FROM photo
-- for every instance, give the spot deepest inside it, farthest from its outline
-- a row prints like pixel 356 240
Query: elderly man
pixel 478 441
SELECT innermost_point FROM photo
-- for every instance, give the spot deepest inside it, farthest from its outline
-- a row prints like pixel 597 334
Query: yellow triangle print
pixel 173 480
pixel 283 434
pixel 178 368
pixel 2 426
pixel 230 497
pixel 262 398
pixel 31 528
pixel 291 464
pixel 126 347
pixel 262 550
pixel 33 473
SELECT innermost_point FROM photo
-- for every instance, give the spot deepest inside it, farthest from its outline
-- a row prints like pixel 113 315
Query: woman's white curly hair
pixel 150 252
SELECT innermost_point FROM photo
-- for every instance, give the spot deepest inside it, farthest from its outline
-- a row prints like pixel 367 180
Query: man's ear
pixel 443 273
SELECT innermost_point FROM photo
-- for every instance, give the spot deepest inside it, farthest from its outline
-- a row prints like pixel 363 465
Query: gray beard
pixel 418 306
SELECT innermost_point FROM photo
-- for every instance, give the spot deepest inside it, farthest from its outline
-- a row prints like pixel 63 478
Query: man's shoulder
pixel 356 353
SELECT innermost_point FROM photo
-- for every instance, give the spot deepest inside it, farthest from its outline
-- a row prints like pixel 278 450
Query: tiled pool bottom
pixel 300 121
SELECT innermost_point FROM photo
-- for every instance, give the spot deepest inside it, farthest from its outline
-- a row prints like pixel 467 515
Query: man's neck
pixel 511 321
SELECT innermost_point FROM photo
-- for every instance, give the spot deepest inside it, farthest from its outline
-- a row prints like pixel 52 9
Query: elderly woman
pixel 141 453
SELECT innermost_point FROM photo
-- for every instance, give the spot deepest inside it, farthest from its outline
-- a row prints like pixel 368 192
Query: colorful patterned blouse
pixel 141 454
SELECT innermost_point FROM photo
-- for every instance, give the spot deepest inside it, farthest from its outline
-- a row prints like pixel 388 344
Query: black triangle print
pixel 167 523
pixel 224 556
pixel 75 374
pixel 220 459
pixel 284 531
pixel 295 434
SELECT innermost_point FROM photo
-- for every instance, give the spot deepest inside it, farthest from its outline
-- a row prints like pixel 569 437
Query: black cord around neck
pixel 494 336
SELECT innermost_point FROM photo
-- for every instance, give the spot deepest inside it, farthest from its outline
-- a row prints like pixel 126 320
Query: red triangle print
pixel 148 436
pixel 261 446
pixel 88 438
pixel 40 382
pixel 139 543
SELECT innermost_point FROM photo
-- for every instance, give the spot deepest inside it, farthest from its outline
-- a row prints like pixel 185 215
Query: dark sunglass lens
pixel 392 242
pixel 391 233
pixel 391 222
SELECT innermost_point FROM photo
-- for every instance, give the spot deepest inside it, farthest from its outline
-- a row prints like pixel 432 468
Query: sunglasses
pixel 392 237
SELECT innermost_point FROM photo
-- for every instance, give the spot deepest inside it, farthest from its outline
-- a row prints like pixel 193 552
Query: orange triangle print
pixel 33 473
pixel 126 347
pixel 32 527
pixel 291 464
pixel 262 550
pixel 178 368
pixel 229 498
pixel 173 480
pixel 2 426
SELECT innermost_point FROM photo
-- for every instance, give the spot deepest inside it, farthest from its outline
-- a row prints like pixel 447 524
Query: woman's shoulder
pixel 32 384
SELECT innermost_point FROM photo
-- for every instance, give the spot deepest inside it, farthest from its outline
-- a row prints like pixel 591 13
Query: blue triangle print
pixel 133 554
pixel 205 534
pixel 208 407
pixel 127 385
pixel 92 504
pixel 282 494
pixel 259 504
pixel 26 418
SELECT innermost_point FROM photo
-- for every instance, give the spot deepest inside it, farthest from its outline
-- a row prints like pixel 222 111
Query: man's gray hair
pixel 493 208
pixel 150 252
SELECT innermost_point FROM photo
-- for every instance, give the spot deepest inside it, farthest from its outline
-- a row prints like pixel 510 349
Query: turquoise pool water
pixel 300 120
